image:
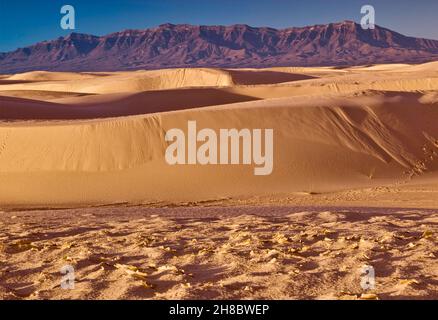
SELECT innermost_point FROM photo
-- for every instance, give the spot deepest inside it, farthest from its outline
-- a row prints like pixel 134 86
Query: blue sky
pixel 25 22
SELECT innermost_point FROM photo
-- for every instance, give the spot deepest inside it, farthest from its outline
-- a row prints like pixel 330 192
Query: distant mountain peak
pixel 79 36
pixel 348 22
pixel 166 25
pixel 239 45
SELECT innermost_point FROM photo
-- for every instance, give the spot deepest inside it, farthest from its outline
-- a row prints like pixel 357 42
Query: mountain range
pixel 169 45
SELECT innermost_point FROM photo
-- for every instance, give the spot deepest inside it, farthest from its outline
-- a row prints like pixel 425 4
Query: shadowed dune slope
pixel 115 105
pixel 40 95
pixel 256 77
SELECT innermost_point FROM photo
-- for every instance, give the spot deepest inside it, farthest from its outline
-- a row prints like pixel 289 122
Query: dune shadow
pixel 14 108
pixel 246 77
pixel 4 82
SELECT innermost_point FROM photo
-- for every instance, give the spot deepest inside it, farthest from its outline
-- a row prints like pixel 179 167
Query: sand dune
pixel 149 80
pixel 351 129
pixel 130 81
pixel 51 76
pixel 145 80
pixel 425 67
pixel 383 67
pixel 321 145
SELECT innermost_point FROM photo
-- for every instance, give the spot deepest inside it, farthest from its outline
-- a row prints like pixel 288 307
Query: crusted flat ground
pixel 83 181
pixel 226 252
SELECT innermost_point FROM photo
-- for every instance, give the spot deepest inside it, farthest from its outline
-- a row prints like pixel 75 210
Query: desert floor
pixel 235 252
pixel 83 182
